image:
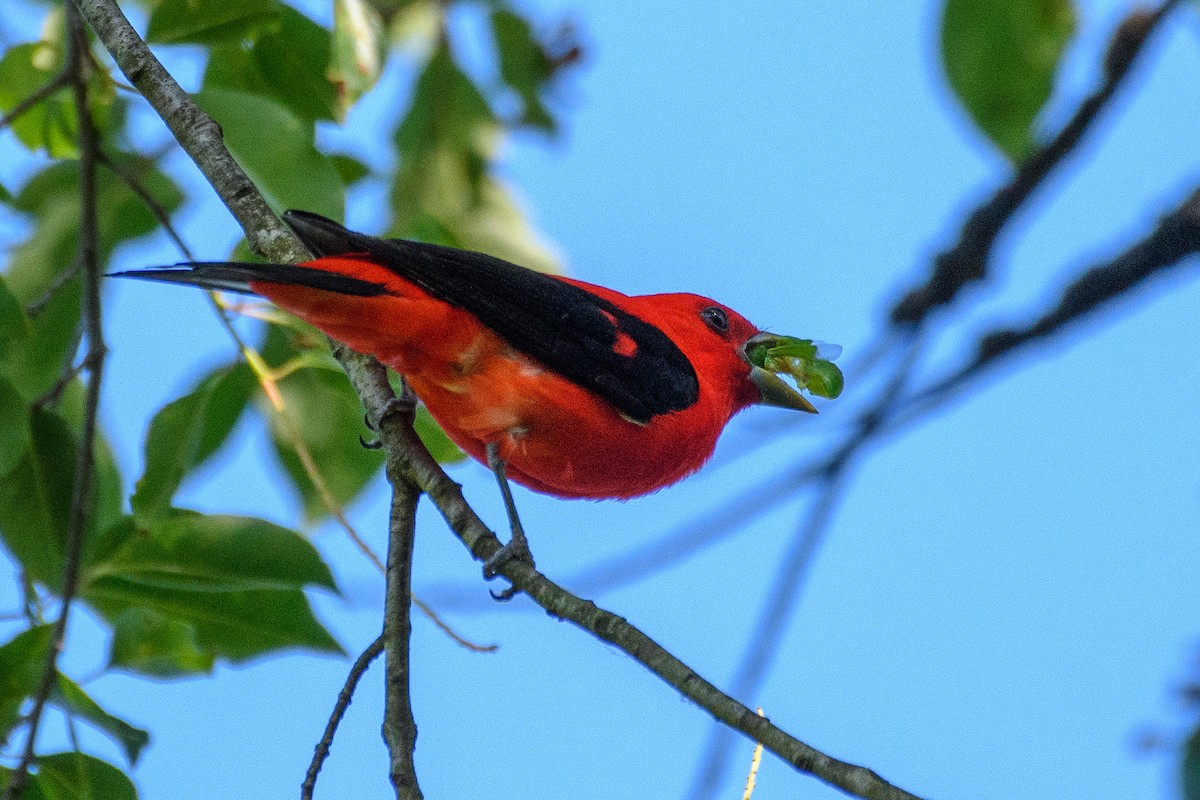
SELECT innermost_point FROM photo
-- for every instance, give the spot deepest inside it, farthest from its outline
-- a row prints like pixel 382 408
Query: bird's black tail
pixel 235 276
pixel 322 236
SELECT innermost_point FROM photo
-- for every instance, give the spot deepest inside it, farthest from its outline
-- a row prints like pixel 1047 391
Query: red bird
pixel 576 390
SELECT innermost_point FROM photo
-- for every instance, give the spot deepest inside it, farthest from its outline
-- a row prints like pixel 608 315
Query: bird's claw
pixel 516 550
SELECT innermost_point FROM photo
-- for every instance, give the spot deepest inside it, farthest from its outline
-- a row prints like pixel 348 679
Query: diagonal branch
pixel 407 456
pixel 967 261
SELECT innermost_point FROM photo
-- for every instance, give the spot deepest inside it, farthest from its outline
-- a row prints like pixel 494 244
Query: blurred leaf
pixel 288 64
pixel 35 497
pixel 416 27
pixel 185 432
pixel 70 697
pixel 358 49
pixel 51 199
pixel 35 364
pixel 51 124
pixel 14 426
pixel 32 790
pixel 524 65
pixel 349 168
pixel 148 642
pixel 498 226
pixel 22 660
pixel 329 419
pixel 435 439
pixel 276 149
pixel 1190 768
pixel 444 183
pixel 211 553
pixel 76 776
pixel 210 21
pixel 13 325
pixel 448 110
pixel 1000 58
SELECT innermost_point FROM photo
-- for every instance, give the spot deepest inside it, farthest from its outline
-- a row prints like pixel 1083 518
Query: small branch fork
pixel 75 71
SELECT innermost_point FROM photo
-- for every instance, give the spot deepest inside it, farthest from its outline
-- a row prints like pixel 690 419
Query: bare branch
pixel 399 727
pixel 339 710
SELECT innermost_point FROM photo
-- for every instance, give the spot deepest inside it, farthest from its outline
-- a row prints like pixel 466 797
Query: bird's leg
pixel 518 545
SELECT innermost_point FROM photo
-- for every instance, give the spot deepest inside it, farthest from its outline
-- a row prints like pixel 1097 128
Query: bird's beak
pixel 772 389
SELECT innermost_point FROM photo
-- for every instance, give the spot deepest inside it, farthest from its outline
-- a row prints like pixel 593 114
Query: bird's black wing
pixel 568 329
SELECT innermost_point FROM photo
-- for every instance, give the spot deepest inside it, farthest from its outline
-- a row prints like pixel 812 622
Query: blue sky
pixel 1005 599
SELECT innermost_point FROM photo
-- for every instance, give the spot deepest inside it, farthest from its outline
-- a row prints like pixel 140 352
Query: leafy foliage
pixel 182 590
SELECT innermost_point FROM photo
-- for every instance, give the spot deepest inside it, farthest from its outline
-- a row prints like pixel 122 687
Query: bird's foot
pixel 516 550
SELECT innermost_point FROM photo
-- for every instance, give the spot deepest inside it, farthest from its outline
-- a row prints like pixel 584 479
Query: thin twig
pixel 79 516
pixel 339 710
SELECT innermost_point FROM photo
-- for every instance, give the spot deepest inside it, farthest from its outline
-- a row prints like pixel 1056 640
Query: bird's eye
pixel 715 319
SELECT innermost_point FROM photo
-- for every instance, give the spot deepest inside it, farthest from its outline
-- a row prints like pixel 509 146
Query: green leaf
pixel 36 496
pixel 524 65
pixel 290 64
pixel 188 551
pixel 148 642
pixel 76 776
pixel 36 363
pixel 276 149
pixel 210 21
pixel 15 437
pixel 232 625
pixel 32 790
pixel 35 499
pixel 447 110
pixel 358 49
pixel 71 698
pixel 51 200
pixel 192 588
pixel 185 432
pixel 1000 57
pixel 13 325
pixel 22 660
pixel 326 415
pixel 51 124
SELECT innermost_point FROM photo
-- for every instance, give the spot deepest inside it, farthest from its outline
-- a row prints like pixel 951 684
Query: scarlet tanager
pixel 569 388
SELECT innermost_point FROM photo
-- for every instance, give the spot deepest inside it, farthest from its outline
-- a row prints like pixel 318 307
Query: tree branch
pixel 399 727
pixel 81 490
pixel 967 261
pixel 197 132
pixel 339 710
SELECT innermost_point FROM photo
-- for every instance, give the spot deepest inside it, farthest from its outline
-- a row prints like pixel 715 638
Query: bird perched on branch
pixel 569 388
